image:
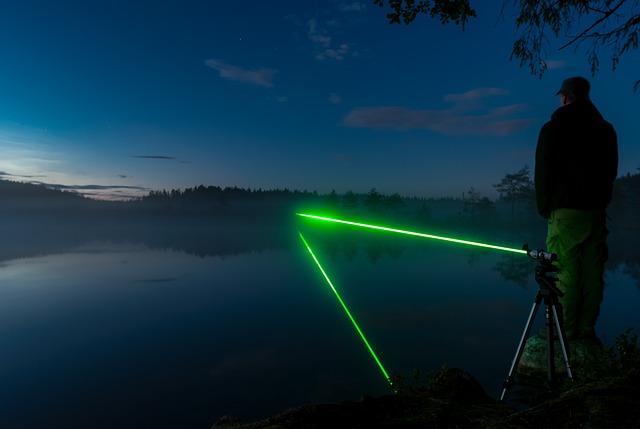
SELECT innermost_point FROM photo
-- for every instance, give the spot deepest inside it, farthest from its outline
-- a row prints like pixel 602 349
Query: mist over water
pixel 165 324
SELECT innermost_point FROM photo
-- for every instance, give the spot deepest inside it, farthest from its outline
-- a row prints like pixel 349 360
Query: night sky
pixel 116 98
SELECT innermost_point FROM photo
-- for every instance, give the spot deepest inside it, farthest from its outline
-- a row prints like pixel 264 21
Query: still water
pixel 123 333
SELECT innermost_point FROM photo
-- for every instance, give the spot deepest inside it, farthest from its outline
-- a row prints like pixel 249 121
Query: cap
pixel 577 87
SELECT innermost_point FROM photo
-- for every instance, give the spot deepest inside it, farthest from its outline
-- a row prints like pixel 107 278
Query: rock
pixel 456 400
pixel 587 358
pixel 227 422
pixel 456 385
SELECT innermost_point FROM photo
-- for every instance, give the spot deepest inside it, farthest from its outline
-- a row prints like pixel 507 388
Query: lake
pixel 175 327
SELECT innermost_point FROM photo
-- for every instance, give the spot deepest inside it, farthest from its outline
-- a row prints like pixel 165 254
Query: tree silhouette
pixel 603 25
pixel 514 269
pixel 476 207
pixel 515 187
pixel 373 251
pixel 395 203
pixel 626 198
pixel 424 213
pixel 373 201
pixel 332 200
pixel 350 201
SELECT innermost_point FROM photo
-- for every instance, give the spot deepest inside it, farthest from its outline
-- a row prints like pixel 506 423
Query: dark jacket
pixel 576 160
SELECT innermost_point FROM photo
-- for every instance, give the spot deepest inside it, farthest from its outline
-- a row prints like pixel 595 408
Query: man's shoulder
pixel 608 125
pixel 546 128
pixel 547 124
pixel 609 133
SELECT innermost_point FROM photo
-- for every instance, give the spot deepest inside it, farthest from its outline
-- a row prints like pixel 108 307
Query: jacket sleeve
pixel 543 175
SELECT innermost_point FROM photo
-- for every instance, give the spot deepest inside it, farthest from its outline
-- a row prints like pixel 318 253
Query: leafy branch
pixel 606 25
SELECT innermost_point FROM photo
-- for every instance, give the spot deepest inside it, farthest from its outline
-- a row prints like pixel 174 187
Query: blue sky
pixel 118 98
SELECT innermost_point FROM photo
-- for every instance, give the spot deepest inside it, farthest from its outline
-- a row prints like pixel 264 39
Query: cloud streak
pixel 320 34
pixel 351 7
pixel 157 280
pixel 472 98
pixel 335 98
pixel 468 116
pixel 102 192
pixel 323 43
pixel 108 192
pixel 22 176
pixel 341 157
pixel 90 187
pixel 260 77
pixel 161 157
pixel 555 64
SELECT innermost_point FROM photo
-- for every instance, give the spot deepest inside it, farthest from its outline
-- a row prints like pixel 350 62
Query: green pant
pixel 578 237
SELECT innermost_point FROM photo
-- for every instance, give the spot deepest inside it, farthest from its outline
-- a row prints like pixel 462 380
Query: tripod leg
pixel 516 360
pixel 563 344
pixel 551 363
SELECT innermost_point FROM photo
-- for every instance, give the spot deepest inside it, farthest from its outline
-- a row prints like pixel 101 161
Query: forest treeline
pixel 211 221
pixel 514 205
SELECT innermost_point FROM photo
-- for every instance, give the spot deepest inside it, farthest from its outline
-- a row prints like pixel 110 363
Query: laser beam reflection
pixel 346 310
pixel 416 234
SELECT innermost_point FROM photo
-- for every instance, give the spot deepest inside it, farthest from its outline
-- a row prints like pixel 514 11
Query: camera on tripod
pixel 541 255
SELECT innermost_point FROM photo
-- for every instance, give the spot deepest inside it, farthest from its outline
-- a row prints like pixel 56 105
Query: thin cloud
pixel 335 98
pixel 323 42
pixel 161 158
pixel 114 191
pixel 337 54
pixel 157 280
pixel 317 36
pixel 90 187
pixel 326 34
pixel 341 157
pixel 260 77
pixel 474 96
pixel 167 158
pixel 555 64
pixel 352 7
pixel 104 192
pixel 468 116
pixel 23 176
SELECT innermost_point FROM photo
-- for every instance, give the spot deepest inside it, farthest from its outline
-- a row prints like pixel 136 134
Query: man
pixel 576 164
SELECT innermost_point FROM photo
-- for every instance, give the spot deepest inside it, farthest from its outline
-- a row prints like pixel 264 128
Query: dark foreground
pixel 456 400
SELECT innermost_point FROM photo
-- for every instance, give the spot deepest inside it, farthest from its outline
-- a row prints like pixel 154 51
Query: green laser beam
pixel 415 234
pixel 346 310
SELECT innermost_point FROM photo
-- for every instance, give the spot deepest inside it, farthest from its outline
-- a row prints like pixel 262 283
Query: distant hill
pixel 26 201
pixel 22 198
pixel 11 189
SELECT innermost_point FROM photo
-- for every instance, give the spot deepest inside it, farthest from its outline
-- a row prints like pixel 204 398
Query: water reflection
pixel 154 325
pixel 135 336
pixel 514 269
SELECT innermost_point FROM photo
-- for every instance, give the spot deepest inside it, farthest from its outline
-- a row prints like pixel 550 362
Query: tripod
pixel 549 293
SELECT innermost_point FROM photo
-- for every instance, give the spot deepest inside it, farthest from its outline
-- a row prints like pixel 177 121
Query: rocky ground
pixel 605 395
